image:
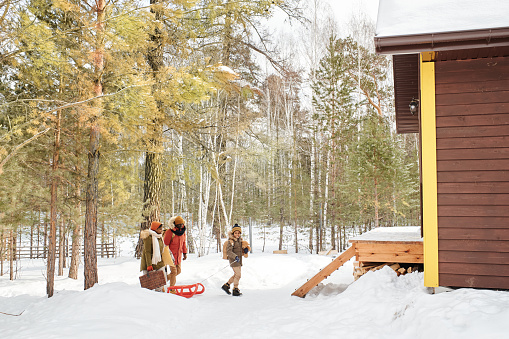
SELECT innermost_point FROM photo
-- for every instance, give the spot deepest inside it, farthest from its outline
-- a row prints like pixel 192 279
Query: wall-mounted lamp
pixel 414 105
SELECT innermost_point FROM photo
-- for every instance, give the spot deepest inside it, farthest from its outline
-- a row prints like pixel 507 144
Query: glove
pixel 246 250
pixel 150 268
pixel 237 259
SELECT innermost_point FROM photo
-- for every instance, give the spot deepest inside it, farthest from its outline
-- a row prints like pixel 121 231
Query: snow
pixel 405 233
pixel 378 305
pixel 403 17
pixel 226 69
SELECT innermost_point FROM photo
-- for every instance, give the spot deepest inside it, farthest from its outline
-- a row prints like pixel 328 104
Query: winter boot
pixel 236 292
pixel 226 288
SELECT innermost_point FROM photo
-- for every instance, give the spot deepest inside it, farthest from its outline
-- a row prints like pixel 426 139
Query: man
pixel 175 239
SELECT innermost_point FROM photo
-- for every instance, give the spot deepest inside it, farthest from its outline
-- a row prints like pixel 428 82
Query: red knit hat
pixel 155 225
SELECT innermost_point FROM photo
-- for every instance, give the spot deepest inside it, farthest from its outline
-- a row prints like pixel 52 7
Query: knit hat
pixel 179 220
pixel 155 225
pixel 236 227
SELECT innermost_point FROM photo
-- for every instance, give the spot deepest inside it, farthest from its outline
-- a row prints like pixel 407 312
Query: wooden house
pixel 451 64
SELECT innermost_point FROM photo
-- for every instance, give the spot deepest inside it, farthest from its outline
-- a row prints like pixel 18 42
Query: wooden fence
pixel 35 252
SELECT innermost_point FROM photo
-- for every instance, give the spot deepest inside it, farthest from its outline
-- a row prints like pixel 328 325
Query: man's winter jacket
pixel 176 240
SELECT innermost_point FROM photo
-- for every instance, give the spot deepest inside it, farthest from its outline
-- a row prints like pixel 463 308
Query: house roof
pixel 438 25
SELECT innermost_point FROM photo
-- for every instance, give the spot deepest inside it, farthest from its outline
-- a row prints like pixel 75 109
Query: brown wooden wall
pixel 406 88
pixel 472 107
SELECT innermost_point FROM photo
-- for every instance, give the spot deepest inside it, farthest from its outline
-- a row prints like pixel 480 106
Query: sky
pixel 345 9
pixel 378 305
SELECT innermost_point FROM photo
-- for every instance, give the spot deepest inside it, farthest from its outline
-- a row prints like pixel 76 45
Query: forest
pixel 114 114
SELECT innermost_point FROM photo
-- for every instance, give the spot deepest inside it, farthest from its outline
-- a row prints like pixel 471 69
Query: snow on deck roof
pixel 403 17
pixel 391 234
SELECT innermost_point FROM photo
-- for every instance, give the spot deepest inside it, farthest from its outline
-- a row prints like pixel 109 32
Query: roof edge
pixel 493 37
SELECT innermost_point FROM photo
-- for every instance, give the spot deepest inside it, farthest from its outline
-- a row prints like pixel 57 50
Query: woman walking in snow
pixel 175 239
pixel 234 252
pixel 151 257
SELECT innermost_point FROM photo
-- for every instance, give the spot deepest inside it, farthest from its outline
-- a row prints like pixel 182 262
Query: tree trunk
pixel 152 194
pixel 2 252
pixel 52 245
pixel 92 195
pixel 205 182
pixel 45 241
pixel 333 203
pixel 32 241
pixel 153 167
pixel 76 241
pixel 325 198
pixel 376 202
pixel 92 198
pixel 38 234
pixel 216 228
pixel 61 247
pixel 312 212
pixel 12 254
pixel 281 228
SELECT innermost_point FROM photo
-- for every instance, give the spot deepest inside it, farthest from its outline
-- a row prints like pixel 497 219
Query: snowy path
pixel 379 305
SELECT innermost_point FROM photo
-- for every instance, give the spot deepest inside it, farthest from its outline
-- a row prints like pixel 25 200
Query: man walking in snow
pixel 175 239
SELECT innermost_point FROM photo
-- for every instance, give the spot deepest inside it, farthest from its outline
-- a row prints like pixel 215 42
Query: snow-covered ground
pixel 378 305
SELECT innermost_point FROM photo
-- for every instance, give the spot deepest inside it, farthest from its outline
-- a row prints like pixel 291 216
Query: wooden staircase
pixel 325 272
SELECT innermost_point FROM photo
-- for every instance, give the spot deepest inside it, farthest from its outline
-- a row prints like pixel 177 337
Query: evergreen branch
pixel 6 4
pixel 77 103
pixel 17 148
pixel 366 94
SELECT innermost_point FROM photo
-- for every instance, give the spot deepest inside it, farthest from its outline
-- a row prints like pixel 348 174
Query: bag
pixel 153 280
pixel 167 257
pixel 225 244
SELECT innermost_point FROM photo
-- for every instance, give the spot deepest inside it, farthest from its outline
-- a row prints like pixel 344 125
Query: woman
pixel 151 257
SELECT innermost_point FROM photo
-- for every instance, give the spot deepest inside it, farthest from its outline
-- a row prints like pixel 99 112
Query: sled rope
pixel 215 273
pixel 14 315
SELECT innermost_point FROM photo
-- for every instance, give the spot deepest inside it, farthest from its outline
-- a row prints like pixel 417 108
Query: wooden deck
pixel 390 244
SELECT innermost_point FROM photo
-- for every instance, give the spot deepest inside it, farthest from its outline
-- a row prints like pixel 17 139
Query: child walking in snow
pixel 234 252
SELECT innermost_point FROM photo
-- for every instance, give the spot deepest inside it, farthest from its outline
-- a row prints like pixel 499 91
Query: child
pixel 234 252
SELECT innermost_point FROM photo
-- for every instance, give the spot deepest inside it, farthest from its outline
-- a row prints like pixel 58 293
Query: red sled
pixel 187 291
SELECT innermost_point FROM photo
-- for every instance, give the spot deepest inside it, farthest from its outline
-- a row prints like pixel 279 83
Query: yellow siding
pixel 429 171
